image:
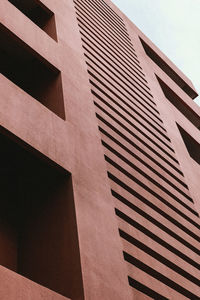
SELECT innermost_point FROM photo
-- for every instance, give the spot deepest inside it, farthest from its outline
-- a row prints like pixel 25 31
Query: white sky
pixel 174 26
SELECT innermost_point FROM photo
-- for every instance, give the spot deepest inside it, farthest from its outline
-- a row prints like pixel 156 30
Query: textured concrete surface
pixel 145 159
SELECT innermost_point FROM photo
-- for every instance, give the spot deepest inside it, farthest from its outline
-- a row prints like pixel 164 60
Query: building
pixel 100 154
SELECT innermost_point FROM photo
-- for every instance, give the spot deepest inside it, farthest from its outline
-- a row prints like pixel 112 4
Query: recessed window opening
pixel 193 147
pixel 31 72
pixel 181 105
pixel 168 70
pixel 38 13
pixel 38 234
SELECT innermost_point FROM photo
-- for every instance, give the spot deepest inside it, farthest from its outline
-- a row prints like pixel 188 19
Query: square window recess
pixel 31 72
pixel 38 13
pixel 193 147
pixel 38 234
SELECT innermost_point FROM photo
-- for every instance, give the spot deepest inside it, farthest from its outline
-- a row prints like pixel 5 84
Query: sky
pixel 174 26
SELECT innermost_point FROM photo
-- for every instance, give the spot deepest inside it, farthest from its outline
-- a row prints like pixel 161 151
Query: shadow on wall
pixel 38 234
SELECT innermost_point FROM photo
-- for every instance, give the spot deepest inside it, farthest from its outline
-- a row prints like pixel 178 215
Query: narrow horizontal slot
pixel 31 72
pixel 132 124
pixel 144 289
pixel 158 257
pixel 132 109
pixel 115 58
pixel 104 21
pixel 159 225
pixel 109 17
pixel 123 101
pixel 103 41
pixel 107 35
pixel 150 178
pixel 131 101
pixel 113 13
pixel 118 22
pixel 112 59
pixel 130 114
pixel 113 92
pixel 148 217
pixel 164 201
pixel 168 70
pixel 138 138
pixel 181 105
pixel 130 66
pixel 151 235
pixel 157 275
pixel 38 13
pixel 147 165
pixel 143 86
pixel 96 36
pixel 109 20
pixel 107 39
pixel 138 148
pixel 121 92
pixel 116 71
pixel 103 26
pixel 106 31
pixel 136 85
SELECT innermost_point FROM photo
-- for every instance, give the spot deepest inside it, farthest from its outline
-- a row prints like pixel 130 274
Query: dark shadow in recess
pixel 38 233
pixel 193 147
pixel 38 13
pixel 31 72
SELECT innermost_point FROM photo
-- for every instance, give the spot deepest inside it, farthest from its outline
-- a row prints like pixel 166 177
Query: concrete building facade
pixel 100 154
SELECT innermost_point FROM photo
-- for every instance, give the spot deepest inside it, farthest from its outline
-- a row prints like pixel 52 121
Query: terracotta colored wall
pixel 152 200
pixel 128 222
